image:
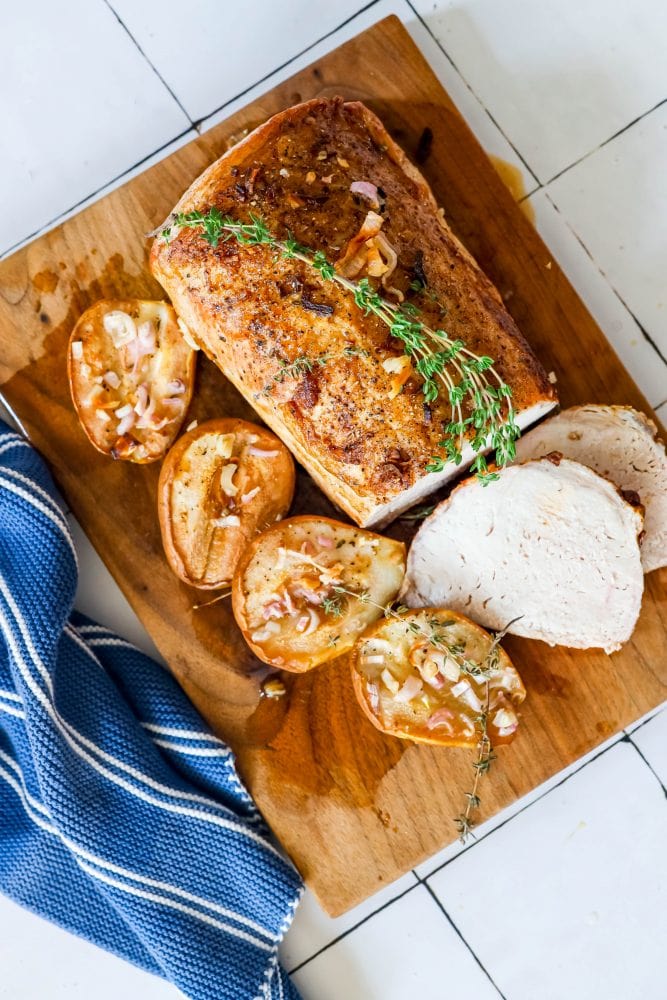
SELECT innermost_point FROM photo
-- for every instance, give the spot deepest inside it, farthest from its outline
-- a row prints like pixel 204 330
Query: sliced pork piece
pixel 551 541
pixel 621 444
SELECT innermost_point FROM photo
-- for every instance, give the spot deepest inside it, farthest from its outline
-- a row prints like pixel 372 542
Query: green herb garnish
pixel 334 606
pixel 480 402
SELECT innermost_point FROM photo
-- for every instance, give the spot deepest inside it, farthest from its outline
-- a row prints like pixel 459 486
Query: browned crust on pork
pixel 245 308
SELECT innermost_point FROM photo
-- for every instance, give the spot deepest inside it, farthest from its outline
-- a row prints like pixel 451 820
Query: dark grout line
pixel 267 76
pixel 547 791
pixel 52 222
pixel 464 941
pixel 643 329
pixel 606 141
pixel 506 137
pixel 622 738
pixel 196 125
pixel 654 773
pixel 447 56
pixel 647 336
pixel 344 934
pixel 529 194
pixel 152 66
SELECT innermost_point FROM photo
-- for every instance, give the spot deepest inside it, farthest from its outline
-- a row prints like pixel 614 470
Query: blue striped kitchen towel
pixel 122 818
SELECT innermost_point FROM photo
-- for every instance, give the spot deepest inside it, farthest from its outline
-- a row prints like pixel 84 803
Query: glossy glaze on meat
pixel 253 313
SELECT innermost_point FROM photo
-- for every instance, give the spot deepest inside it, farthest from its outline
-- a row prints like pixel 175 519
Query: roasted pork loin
pixel 326 377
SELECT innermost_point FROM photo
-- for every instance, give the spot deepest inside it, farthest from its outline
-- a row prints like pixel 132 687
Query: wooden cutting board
pixel 353 808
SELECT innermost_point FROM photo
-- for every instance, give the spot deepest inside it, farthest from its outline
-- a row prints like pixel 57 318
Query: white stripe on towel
pixel 29 803
pixel 62 526
pixel 66 729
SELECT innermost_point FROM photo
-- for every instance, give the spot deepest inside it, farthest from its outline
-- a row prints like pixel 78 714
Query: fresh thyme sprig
pixel 465 822
pixel 418 513
pixel 355 352
pixel 220 597
pixel 444 364
pixel 485 756
pixel 435 633
pixel 334 606
pixel 302 365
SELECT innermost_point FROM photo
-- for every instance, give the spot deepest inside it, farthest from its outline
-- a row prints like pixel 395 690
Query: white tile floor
pixel 563 896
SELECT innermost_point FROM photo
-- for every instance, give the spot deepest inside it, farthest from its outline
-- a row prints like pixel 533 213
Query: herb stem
pixel 463 375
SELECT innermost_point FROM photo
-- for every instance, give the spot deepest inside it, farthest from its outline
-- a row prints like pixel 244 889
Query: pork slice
pixel 551 543
pixel 621 444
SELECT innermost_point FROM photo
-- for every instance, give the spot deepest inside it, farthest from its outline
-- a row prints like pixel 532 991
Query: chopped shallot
pixel 262 634
pixel 464 691
pixel 121 328
pixel 173 403
pixel 389 680
pixel 312 623
pixel 112 379
pixel 226 479
pixel 127 423
pixel 504 718
pixel 309 595
pixel 441 717
pixel 325 541
pixel 124 411
pixel 374 658
pixel 366 190
pixel 262 453
pixel 229 521
pixel 355 257
pixel 142 346
pixel 149 420
pixel 287 601
pixel 103 416
pixel 142 400
pixel 273 609
pixel 391 259
pixel 77 349
pixel 396 364
pixel 247 497
pixel 450 669
pixel 410 689
pixel 508 730
pixel 176 387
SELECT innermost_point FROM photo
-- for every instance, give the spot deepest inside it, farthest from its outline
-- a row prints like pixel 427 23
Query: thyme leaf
pixel 481 403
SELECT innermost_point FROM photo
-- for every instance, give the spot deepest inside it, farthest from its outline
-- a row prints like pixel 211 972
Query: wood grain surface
pixel 353 808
